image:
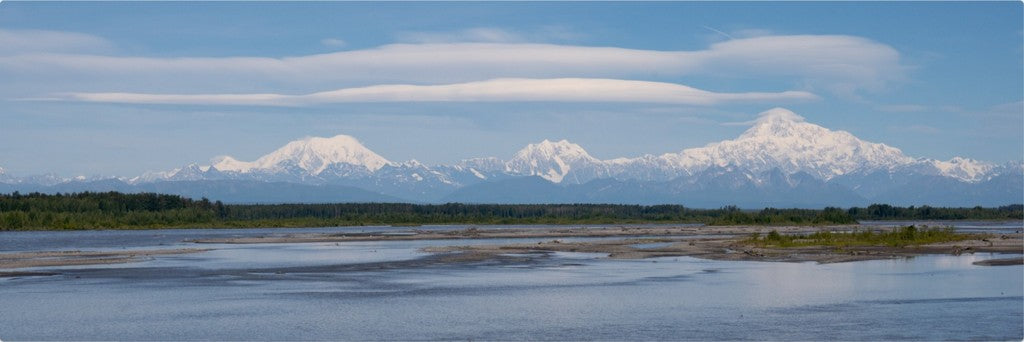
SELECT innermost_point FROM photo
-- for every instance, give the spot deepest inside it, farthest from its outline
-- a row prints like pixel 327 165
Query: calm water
pixel 391 291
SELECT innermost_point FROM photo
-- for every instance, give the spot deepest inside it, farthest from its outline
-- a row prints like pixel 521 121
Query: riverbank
pixel 706 242
pixel 523 233
pixel 717 243
pixel 733 248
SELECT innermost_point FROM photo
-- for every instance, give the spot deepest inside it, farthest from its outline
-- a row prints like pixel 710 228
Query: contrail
pixel 717 31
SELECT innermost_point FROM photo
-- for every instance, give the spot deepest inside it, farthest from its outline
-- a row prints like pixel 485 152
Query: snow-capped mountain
pixel 963 168
pixel 313 155
pixel 782 139
pixel 554 160
pixel 778 139
pixel 780 160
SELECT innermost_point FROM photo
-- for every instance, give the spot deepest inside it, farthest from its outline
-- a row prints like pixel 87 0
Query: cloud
pixel 333 42
pixel 716 35
pixel 771 114
pixel 36 41
pixel 923 129
pixel 903 108
pixel 542 34
pixel 693 120
pixel 495 90
pixel 916 108
pixel 478 34
pixel 839 63
pixel 1010 109
pixel 834 63
pixel 751 33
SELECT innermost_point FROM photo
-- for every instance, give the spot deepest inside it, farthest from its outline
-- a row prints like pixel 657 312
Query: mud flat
pixel 717 243
pixel 504 233
pixel 72 258
pixel 733 248
pixel 1001 262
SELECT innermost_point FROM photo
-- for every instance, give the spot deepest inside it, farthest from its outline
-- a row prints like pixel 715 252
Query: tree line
pixel 113 210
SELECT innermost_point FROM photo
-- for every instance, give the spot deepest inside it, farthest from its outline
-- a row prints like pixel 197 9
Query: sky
pixel 121 88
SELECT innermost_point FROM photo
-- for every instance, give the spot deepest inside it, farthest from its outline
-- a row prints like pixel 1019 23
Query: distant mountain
pixel 340 155
pixel 780 161
pixel 530 189
pixel 710 189
pixel 553 161
pixel 780 139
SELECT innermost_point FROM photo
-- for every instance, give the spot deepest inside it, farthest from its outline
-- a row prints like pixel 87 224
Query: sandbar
pixel 714 242
pixel 72 258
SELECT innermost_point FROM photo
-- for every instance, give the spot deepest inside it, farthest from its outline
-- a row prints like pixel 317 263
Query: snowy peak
pixel 228 163
pixel 780 138
pixel 777 122
pixel 551 150
pixel 781 123
pixel 190 172
pixel 551 160
pixel 965 169
pixel 312 155
pixel 485 164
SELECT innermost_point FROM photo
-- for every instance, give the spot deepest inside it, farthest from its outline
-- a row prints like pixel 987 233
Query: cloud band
pixel 494 90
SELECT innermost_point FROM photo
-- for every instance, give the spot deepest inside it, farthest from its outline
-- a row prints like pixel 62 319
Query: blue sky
pixel 119 88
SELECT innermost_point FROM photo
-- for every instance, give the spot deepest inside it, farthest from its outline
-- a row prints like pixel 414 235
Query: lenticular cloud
pixel 495 90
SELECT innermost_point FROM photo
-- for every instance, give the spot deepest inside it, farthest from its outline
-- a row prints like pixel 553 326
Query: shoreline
pixel 732 249
pixel 583 223
pixel 475 233
pixel 727 243
pixel 707 242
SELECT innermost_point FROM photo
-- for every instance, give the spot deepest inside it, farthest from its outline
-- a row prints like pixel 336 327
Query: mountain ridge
pixel 779 138
pixel 781 159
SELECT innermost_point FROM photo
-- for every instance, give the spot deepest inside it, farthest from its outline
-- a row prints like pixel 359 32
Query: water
pixel 392 291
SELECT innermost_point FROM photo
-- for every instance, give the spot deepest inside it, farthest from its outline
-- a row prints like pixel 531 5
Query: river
pixel 389 290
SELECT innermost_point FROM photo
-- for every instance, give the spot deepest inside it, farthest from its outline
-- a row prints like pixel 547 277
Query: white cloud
pixel 903 108
pixel 36 41
pixel 542 34
pixel 751 33
pixel 495 90
pixel 1010 109
pixel 333 42
pixel 923 129
pixel 716 35
pixel 777 112
pixel 835 63
pixel 840 63
pixel 478 34
pixel 693 120
pixel 918 108
pixel 739 123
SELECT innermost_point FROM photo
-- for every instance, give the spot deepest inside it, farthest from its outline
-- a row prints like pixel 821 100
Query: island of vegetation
pixel 113 210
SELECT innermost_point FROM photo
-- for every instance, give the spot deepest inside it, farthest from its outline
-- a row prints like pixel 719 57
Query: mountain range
pixel 780 161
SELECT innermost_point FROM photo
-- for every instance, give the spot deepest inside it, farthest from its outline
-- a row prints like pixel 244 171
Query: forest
pixel 113 210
